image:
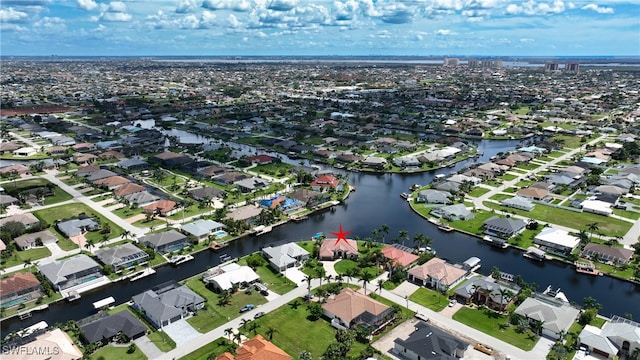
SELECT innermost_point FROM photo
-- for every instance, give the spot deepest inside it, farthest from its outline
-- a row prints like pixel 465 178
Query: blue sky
pixel 319 27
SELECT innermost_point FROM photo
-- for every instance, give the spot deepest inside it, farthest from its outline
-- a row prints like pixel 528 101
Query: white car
pixel 452 303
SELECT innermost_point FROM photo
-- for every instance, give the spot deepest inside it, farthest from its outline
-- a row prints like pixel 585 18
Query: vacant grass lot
pixel 492 323
pixel 51 215
pixel 345 265
pixel 278 170
pixel 111 352
pixel 59 195
pixel 430 299
pixel 572 219
pixel 507 177
pixel 215 315
pixel 212 349
pixel 478 191
pixel 32 255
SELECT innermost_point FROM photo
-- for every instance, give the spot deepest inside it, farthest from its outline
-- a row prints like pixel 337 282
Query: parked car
pixel 452 303
pixel 247 307
pixel 483 348
pixel 258 315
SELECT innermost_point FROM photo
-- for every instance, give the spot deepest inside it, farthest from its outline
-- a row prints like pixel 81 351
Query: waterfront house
pixel 325 182
pixel 350 309
pixel 332 249
pixel 165 242
pixel 399 255
pixel 619 338
pixel 556 316
pixel 256 348
pixel 247 213
pixel 436 274
pixel 428 342
pixel 106 329
pixel 51 345
pixel 285 256
pixel 503 227
pixel 201 229
pixel 432 196
pixel 453 212
pixel 604 253
pixel 19 288
pixel 122 256
pixel 556 241
pixel 167 303
pixel 308 198
pixel 251 184
pixel 486 291
pixel 226 277
pixel 65 273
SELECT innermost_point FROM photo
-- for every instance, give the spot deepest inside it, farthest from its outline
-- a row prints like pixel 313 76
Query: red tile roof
pixel 400 257
pixel 17 282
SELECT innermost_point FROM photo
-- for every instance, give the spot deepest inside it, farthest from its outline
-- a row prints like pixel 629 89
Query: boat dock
pixel 494 241
pixel 179 259
pixel 534 253
pixel 141 274
pixel 217 246
pixel 587 267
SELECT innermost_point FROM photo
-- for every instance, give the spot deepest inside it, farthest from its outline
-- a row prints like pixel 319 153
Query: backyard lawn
pixel 51 215
pixel 215 315
pixel 430 299
pixel 276 282
pixel 343 266
pixel 493 324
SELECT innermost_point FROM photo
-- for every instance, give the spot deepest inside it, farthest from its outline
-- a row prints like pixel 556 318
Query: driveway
pixel 181 332
pixel 405 289
pixel 295 275
pixel 148 347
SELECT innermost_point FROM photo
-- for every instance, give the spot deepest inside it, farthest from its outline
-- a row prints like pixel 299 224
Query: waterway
pixel 376 201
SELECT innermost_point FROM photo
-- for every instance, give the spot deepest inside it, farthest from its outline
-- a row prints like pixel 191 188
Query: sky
pixel 320 27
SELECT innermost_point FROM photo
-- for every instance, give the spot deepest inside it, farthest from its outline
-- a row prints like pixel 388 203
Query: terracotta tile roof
pixel 129 188
pixel 112 181
pixel 330 246
pixel 17 282
pixel 256 348
pixel 164 206
pixel 398 256
pixel 325 181
pixel 438 269
pixel 535 193
pixel 348 305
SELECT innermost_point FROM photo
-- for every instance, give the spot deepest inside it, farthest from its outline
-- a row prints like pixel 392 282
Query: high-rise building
pixel 451 62
pixel 572 67
pixel 551 66
pixel 473 63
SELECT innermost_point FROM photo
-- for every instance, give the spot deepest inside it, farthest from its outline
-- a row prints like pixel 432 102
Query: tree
pixel 475 289
pixel 228 332
pixel 308 279
pixel 89 244
pixel 380 285
pixel 243 323
pixel 366 277
pixel 384 230
pixel 126 234
pixel 591 303
pixel 270 332
pixel 505 296
pixel 305 355
pixel 593 227
pixel 315 311
pixel 404 235
pixel 253 327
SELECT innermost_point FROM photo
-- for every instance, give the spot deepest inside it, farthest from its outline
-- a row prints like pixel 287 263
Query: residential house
pixel 100 174
pixel 350 309
pixel 122 256
pixel 162 207
pixel 106 329
pixel 484 290
pixel 556 316
pixel 65 273
pixel 437 274
pixel 261 159
pixel 206 193
pixel 77 226
pixel 171 159
pixel 165 242
pixel 432 196
pixel 332 248
pixel 167 303
pixel 619 338
pixel 25 151
pixel 448 186
pixel 374 162
pixel 535 193
pixel 211 171
pixel 325 182
pixel 453 212
pixel 31 240
pixel 399 255
pixel 112 182
pixel 141 199
pixel 51 345
pixel 430 343
pixel 480 173
pixel 247 213
pixel 201 229
pixel 132 165
pixel 8 200
pixel 128 189
pixel 256 348
pixel 229 178
pixel 251 184
pixel 518 202
pixel 26 219
pixel 82 158
pixel 503 227
pixel 597 207
pixel 19 288
pixel 308 198
pixel 283 203
pixel 603 253
pixel 556 241
pixel 83 147
pixel 285 256
pixel 88 170
pixel 229 276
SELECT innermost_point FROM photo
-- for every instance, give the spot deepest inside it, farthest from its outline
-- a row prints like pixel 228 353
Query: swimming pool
pixel 219 233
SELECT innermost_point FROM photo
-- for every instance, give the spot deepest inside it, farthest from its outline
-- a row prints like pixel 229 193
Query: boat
pixel 298 218
pixel 217 246
pixel 261 229
pixel 179 259
pixel 497 242
pixel 587 267
pixel 534 253
pixel 317 236
pixel 73 296
pixel 143 273
pixel 405 195
pixel 445 227
pixel 224 258
pixel 415 187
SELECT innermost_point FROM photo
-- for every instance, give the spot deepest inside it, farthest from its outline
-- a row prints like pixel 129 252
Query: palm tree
pixel 243 323
pixel 126 234
pixel 270 331
pixel 366 277
pixel 380 284
pixel 375 234
pixel 320 274
pixel 504 294
pixel 404 235
pixel 253 327
pixel 89 244
pixel 475 288
pixel 338 278
pixel 384 229
pixel 593 227
pixel 228 332
pixel 237 337
pixel 328 278
pixel 308 279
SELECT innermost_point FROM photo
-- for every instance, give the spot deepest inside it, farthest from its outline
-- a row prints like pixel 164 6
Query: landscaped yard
pixel 111 352
pixel 212 349
pixel 162 341
pixel 276 282
pixel 215 315
pixel 493 324
pixel 474 225
pixel 51 215
pixel 344 266
pixel 32 255
pixel 430 299
pixel 277 169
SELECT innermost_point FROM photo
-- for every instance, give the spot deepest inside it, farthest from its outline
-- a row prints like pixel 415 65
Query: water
pixel 376 202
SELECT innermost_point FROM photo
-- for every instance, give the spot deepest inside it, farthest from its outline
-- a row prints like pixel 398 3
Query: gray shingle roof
pixel 163 238
pixel 59 270
pixel 120 254
pixel 107 327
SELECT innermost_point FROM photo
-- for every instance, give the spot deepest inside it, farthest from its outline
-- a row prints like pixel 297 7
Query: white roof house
pixel 200 229
pixel 225 277
pixel 556 240
pixel 285 256
pixel 556 316
pixel 597 207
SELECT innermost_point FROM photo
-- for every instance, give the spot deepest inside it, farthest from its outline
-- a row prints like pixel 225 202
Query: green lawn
pixel 295 333
pixel 430 299
pixel 192 210
pixel 527 166
pixel 275 281
pixel 215 315
pixel 59 195
pixel 162 341
pixel 627 214
pixel 214 348
pixel 50 215
pixel 20 256
pixel 277 170
pixel 507 177
pixel 499 197
pixel 478 191
pixel 473 225
pixel 127 212
pixel 490 323
pixel 572 219
pixel 345 265
pixel 111 352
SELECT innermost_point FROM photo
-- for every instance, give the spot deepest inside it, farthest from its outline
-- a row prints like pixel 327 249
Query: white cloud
pixel 87 5
pixel 532 7
pixel 444 32
pixel 282 5
pixel 598 9
pixel 526 40
pixel 233 22
pixel 50 23
pixel 117 6
pixel 115 16
pixel 235 5
pixel 186 6
pixel 11 15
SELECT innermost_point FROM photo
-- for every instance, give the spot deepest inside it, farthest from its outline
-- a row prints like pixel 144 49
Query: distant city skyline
pixel 320 28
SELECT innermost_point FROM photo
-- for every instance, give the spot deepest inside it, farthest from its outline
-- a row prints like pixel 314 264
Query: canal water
pixel 376 201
